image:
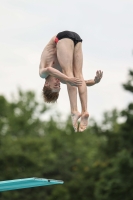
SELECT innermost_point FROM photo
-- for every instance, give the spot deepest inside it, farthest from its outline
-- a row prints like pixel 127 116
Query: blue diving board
pixel 26 183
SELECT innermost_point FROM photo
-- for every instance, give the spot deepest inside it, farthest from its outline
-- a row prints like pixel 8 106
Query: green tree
pixel 115 179
pixel 96 164
pixel 32 147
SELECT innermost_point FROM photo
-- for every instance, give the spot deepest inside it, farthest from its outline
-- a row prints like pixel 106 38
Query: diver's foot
pixel 75 116
pixel 84 121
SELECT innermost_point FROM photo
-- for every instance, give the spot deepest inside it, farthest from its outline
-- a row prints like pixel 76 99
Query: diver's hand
pixel 73 81
pixel 98 77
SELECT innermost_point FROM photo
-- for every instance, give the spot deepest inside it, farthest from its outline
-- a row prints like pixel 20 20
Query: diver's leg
pixel 65 50
pixel 77 67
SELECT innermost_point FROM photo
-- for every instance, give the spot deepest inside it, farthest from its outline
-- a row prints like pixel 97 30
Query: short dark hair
pixel 48 95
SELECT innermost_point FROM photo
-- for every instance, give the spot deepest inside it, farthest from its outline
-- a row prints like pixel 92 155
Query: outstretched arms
pixel 96 80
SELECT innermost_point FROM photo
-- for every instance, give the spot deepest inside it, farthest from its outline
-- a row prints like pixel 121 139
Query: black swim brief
pixel 68 34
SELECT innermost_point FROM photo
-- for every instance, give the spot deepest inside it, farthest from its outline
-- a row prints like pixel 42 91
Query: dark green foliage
pixel 95 165
pixel 129 85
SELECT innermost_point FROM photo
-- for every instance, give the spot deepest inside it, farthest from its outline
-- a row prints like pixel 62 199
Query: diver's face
pixel 53 83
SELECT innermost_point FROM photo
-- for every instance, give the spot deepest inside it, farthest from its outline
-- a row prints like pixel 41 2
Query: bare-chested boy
pixel 61 61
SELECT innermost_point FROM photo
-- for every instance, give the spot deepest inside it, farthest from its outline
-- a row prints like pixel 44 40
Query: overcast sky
pixel 106 27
